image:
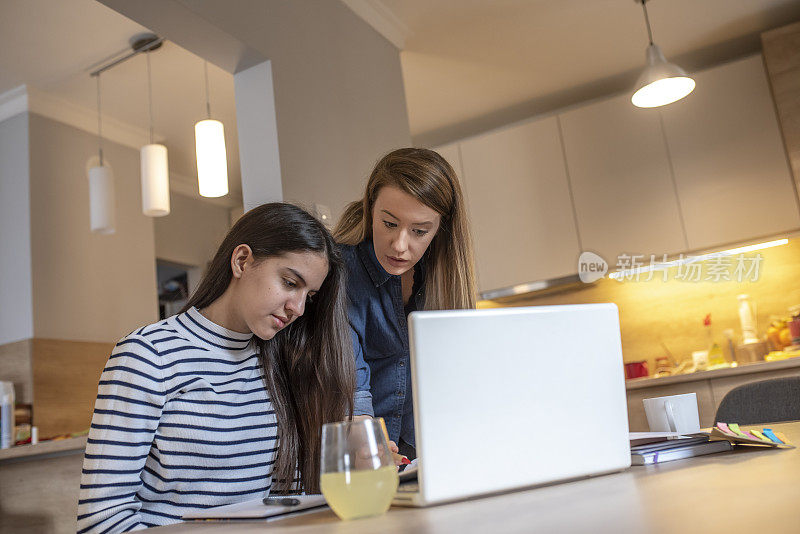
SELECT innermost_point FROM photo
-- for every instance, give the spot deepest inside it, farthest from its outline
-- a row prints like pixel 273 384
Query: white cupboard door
pixel 731 170
pixel 452 154
pixel 519 203
pixel 621 180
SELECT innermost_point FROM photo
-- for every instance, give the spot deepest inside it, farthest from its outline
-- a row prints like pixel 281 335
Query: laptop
pixel 511 398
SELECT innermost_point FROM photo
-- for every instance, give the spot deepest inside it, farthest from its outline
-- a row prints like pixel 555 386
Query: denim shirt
pixel 380 339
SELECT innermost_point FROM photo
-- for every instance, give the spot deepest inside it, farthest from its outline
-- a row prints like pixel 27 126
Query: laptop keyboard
pixel 408 487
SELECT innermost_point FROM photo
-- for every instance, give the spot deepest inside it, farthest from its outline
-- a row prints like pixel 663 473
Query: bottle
pixel 715 354
pixel 747 320
pixel 7 429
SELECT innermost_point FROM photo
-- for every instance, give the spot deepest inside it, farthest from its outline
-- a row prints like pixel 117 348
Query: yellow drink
pixel 360 493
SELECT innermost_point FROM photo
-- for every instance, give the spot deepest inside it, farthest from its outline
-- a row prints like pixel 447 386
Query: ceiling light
pixel 154 166
pixel 683 260
pixel 212 160
pixel 102 216
pixel 661 82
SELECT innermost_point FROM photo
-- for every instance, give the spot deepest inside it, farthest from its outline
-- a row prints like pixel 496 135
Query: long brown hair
pixel 426 176
pixel 308 366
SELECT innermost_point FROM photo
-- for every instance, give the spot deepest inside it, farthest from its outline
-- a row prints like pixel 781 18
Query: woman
pixel 224 402
pixel 407 247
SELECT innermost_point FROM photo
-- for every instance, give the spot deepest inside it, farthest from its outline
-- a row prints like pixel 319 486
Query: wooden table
pixel 747 489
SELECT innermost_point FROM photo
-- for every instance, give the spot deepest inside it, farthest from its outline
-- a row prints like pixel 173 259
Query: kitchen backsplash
pixel 671 312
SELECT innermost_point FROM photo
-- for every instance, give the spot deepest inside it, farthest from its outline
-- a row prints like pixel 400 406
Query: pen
pixel 403 459
pixel 281 501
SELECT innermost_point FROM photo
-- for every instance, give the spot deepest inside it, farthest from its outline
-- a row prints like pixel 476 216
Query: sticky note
pixel 768 432
pixel 760 436
pixel 724 428
pixel 748 434
pixel 782 438
pixel 735 429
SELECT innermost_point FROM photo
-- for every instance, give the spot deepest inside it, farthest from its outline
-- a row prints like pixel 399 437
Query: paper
pixel 768 432
pixel 409 471
pixel 782 438
pixel 256 509
pixel 735 429
pixel 759 435
pixel 724 428
pixel 739 436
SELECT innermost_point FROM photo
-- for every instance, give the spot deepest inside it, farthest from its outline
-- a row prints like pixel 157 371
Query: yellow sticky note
pixel 760 436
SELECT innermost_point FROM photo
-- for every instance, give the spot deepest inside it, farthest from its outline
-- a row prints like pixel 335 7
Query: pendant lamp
pixel 661 82
pixel 102 212
pixel 212 161
pixel 154 167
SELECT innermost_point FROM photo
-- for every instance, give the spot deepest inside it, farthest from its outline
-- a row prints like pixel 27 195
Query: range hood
pixel 564 282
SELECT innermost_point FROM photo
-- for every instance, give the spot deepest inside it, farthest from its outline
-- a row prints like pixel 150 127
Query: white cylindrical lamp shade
pixel 155 181
pixel 212 161
pixel 102 209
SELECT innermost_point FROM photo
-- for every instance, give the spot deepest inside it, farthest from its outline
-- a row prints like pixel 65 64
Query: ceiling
pixel 472 65
pixel 58 42
pixel 468 65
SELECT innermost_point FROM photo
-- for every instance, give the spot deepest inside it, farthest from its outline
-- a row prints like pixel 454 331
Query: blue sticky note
pixel 768 432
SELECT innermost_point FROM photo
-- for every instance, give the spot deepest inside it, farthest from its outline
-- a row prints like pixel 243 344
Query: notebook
pixel 256 509
pixel 676 449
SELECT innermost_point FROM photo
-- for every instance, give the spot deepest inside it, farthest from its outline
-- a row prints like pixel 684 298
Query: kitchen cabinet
pixel 519 204
pixel 731 172
pixel 41 485
pixel 782 58
pixel 707 171
pixel 621 180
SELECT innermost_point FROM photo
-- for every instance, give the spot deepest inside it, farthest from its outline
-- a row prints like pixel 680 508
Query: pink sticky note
pixel 749 435
pixel 724 428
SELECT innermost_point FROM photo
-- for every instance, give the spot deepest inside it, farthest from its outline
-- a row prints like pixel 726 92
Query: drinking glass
pixel 358 476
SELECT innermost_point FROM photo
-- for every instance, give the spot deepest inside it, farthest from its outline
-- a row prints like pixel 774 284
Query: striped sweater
pixel 182 421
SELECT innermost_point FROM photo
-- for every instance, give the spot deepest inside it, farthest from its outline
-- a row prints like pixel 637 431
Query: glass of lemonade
pixel 358 476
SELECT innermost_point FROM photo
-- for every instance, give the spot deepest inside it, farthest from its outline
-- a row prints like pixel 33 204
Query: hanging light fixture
pixel 154 166
pixel 661 82
pixel 212 161
pixel 102 212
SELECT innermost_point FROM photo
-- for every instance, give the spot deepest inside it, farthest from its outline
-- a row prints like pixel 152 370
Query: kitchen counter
pixel 45 449
pixel 750 368
pixel 709 386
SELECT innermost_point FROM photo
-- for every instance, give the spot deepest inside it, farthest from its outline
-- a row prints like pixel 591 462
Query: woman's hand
pixel 396 456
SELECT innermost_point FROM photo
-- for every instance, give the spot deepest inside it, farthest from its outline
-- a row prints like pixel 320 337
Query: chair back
pixel 767 401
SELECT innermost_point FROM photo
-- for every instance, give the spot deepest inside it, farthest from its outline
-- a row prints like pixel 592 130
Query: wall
pixel 672 312
pixel 338 85
pixel 340 102
pixel 16 309
pixel 86 287
pixel 192 231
